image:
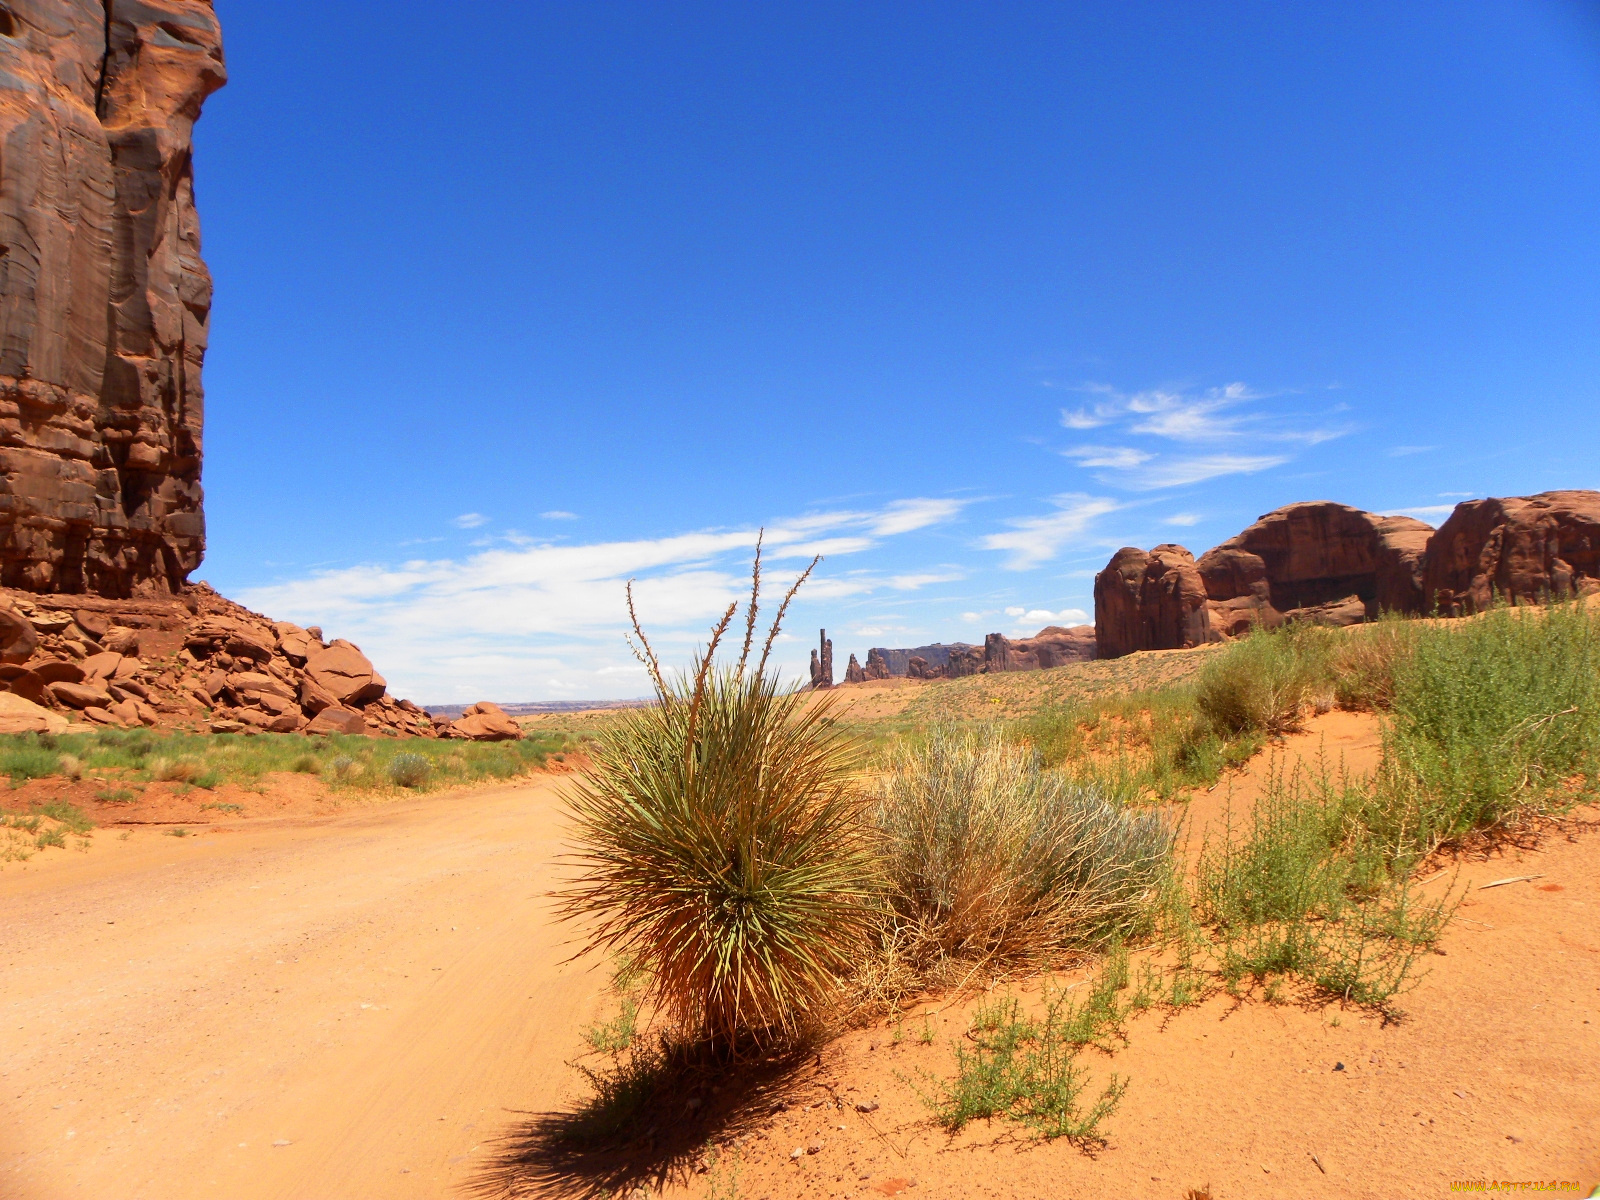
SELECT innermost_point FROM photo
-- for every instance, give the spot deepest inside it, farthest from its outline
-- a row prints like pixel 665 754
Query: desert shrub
pixel 409 770
pixel 1025 1067
pixel 306 764
pixel 723 846
pixel 1365 659
pixel 1491 716
pixel 175 770
pixel 1263 683
pixel 343 767
pixel 71 767
pixel 990 855
pixel 1308 891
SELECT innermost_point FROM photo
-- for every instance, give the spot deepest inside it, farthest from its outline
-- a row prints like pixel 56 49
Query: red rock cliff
pixel 104 300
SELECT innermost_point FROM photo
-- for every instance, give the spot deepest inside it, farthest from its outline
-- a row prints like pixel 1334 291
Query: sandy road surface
pixel 375 990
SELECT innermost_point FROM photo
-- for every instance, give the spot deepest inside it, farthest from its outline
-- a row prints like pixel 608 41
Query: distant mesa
pixel 1053 646
pixel 1337 565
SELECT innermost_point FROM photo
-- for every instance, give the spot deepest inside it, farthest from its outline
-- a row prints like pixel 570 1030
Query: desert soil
pixel 376 1003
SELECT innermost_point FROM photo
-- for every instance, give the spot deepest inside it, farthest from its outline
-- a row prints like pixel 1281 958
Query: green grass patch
pixel 209 761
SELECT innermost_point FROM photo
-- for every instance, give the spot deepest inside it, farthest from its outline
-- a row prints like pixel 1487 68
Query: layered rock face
pixel 1337 565
pixel 104 300
pixel 1146 601
pixel 1053 646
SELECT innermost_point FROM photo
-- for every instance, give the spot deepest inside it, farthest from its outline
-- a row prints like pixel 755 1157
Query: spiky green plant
pixel 723 844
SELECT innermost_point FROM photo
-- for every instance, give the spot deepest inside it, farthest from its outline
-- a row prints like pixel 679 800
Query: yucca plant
pixel 723 844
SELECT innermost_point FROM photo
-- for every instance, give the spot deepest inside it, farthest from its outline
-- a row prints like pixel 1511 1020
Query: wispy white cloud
pixel 470 520
pixel 1119 458
pixel 504 622
pixel 1043 616
pixel 1183 472
pixel 906 516
pixel 1034 540
pixel 1185 519
pixel 1426 511
pixel 1201 421
pixel 1404 451
pixel 559 514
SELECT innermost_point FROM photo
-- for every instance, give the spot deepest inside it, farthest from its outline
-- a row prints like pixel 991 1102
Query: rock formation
pixel 822 663
pixel 854 673
pixel 1149 601
pixel 1521 548
pixel 194 661
pixel 104 300
pixel 1337 565
pixel 483 722
pixel 1052 646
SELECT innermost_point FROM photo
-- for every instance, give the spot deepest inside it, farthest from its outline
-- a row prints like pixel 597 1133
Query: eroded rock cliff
pixel 1338 565
pixel 104 300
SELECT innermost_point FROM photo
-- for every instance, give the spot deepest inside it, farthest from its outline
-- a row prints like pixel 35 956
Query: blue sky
pixel 514 306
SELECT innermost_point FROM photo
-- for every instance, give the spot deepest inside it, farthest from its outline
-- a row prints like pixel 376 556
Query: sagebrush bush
pixel 723 846
pixel 409 770
pixel 1364 662
pixel 990 855
pixel 175 770
pixel 1264 682
pixel 1491 716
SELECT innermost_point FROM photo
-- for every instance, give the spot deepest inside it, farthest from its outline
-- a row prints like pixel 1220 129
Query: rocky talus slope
pixel 195 661
pixel 1338 565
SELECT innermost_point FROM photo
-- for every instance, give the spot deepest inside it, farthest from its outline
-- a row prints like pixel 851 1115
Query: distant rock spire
pixel 822 664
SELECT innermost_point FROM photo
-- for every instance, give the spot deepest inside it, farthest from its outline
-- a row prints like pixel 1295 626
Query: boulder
pixel 314 699
pixel 18 639
pixel 485 722
pixel 21 715
pixel 337 720
pixel 95 624
pixel 121 640
pixel 80 695
pixel 296 644
pixel 50 622
pixel 344 673
pixel 1521 549
pixel 101 716
pixel 259 683
pixel 57 670
pixel 101 666
pixel 20 681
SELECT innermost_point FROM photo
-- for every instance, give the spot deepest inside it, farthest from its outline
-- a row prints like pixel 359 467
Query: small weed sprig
pixel 1026 1067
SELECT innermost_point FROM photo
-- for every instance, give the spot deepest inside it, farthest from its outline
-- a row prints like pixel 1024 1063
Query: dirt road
pixel 341 1008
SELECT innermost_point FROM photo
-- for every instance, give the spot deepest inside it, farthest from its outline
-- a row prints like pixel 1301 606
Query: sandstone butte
pixel 105 308
pixel 1338 565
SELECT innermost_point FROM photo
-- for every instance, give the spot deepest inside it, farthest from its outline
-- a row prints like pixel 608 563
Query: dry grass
pixel 991 858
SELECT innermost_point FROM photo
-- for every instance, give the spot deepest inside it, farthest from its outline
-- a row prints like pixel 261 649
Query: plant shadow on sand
pixel 652 1119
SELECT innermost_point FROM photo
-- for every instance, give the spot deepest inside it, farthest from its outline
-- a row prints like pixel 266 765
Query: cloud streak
pixel 544 619
pixel 1032 541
